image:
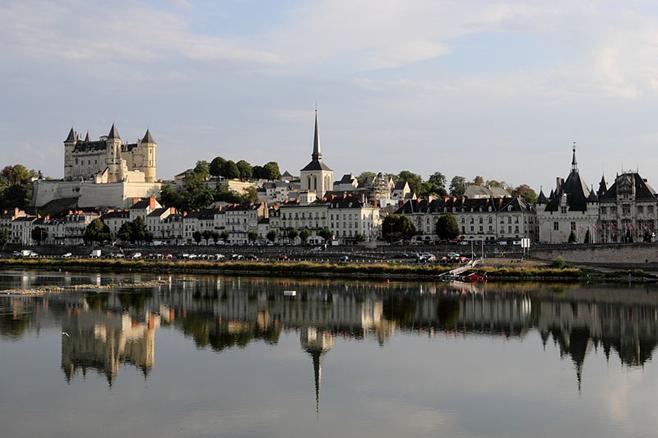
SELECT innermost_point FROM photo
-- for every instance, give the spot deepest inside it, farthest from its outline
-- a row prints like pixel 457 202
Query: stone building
pixel 317 176
pixel 478 219
pixel 627 210
pixel 109 158
pixel 571 210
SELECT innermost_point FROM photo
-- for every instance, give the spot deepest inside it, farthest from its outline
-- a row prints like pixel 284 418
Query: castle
pixel 103 173
pixel 109 159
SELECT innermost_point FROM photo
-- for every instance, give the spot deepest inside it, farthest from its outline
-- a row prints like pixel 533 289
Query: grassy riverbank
pixel 298 269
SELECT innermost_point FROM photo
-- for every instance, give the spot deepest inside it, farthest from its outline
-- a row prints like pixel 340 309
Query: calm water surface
pixel 234 357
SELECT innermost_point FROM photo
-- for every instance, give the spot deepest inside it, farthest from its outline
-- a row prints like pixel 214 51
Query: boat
pixel 289 293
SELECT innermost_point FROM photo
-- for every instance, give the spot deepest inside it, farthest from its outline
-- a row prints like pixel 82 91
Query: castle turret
pixel 69 147
pixel 113 158
pixel 149 146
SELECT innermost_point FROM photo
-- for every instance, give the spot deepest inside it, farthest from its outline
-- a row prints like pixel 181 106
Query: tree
pixel 414 180
pixel 169 196
pixel 215 236
pixel 304 235
pixel 4 236
pixel 206 234
pixel 526 192
pixel 230 170
pixel 223 194
pixel 326 234
pixel 572 237
pixel 252 236
pixel 224 236
pixel 97 231
pixel 258 172
pixel 216 166
pixel 202 170
pixel 125 232
pixel 478 181
pixel 359 237
pixel 17 175
pixel 245 169
pixel 15 196
pixel 249 197
pixel 271 170
pixel 197 237
pixel 457 185
pixel 365 176
pixel 435 185
pixel 588 238
pixel 271 235
pixel 292 234
pixel 446 227
pixel 39 234
pixel 134 231
pixel 396 227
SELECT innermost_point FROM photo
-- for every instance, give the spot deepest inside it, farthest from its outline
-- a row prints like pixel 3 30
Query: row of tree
pixel 437 184
pixel 221 167
pixel 398 227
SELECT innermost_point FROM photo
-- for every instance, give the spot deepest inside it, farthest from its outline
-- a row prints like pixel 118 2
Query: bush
pixel 559 262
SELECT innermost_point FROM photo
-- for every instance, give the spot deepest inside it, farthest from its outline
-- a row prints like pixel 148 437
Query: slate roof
pixel 643 191
pixel 316 157
pixel 114 132
pixel 148 138
pixel 400 185
pixel 90 146
pixel 71 137
pixel 541 199
pixel 450 204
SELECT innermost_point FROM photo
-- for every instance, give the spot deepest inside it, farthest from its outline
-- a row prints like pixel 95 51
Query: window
pixel 640 209
pixel 573 226
pixel 563 210
pixel 604 210
pixel 650 209
pixel 625 210
pixel 556 226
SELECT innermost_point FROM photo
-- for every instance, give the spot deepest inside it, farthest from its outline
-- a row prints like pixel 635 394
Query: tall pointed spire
pixel 574 163
pixel 148 138
pixel 114 133
pixel 317 155
pixel 71 137
pixel 87 137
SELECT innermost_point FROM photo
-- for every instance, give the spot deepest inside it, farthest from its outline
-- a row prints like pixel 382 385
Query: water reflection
pixel 103 331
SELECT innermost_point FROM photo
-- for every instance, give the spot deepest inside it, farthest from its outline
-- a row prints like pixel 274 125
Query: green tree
pixel 4 236
pixel 125 232
pixel 17 175
pixel 326 234
pixel 397 227
pixel 215 236
pixel 588 238
pixel 446 227
pixel 365 176
pixel 169 197
pixel 135 231
pixel 245 169
pixel 435 185
pixel 39 234
pixel 526 192
pixel 230 170
pixel 304 235
pixel 252 236
pixel 97 231
pixel 224 236
pixel 258 172
pixel 216 166
pixel 206 234
pixel 197 237
pixel 223 194
pixel 457 186
pixel 292 234
pixel 202 169
pixel 359 238
pixel 414 180
pixel 249 197
pixel 271 235
pixel 272 170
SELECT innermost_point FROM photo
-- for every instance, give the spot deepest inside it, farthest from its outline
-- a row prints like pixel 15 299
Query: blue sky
pixel 492 88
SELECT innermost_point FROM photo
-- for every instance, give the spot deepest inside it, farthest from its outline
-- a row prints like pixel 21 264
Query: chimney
pixel 151 202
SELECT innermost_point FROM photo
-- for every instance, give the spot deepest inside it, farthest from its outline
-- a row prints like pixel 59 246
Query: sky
pixel 465 87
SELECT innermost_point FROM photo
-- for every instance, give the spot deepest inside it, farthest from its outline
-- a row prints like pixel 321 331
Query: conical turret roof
pixel 148 138
pixel 114 133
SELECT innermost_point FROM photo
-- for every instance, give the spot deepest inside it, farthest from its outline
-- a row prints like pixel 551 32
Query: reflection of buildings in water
pixel 102 341
pixel 317 343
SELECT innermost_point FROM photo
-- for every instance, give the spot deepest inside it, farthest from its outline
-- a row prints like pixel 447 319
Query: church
pixel 317 177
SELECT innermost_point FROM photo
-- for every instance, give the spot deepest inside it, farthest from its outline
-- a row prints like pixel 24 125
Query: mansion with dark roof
pixel 627 211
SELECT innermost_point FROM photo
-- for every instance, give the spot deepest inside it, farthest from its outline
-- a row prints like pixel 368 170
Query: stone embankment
pixel 630 256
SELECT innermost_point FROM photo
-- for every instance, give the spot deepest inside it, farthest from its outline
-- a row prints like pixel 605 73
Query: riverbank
pixel 54 289
pixel 521 272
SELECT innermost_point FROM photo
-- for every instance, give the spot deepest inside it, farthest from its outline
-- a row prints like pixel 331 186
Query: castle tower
pixel 69 147
pixel 149 145
pixel 317 176
pixel 113 158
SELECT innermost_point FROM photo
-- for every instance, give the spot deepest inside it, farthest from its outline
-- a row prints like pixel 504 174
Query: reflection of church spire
pixel 316 343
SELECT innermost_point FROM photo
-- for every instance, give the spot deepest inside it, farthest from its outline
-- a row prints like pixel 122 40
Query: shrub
pixel 559 262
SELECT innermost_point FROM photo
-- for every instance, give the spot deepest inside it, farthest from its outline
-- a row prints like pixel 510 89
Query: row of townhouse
pixel 346 217
pixel 488 219
pixel 66 230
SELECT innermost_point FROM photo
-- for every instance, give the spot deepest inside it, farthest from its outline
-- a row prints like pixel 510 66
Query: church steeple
pixel 317 155
pixel 574 163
